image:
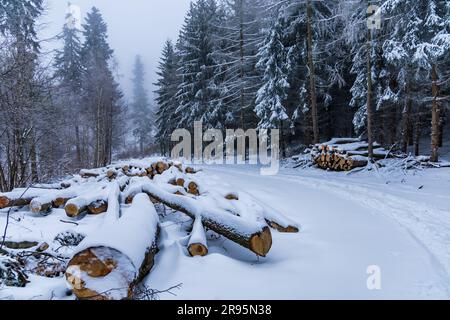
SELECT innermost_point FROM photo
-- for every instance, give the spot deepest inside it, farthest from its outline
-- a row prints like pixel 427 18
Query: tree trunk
pixel 369 96
pixel 33 162
pixel 441 128
pixel 241 53
pixel 78 145
pixel 435 117
pixel 312 75
pixel 417 137
pixel 406 120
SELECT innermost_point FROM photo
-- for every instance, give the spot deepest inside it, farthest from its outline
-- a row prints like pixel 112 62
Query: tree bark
pixel 406 120
pixel 418 134
pixel 435 117
pixel 312 75
pixel 369 96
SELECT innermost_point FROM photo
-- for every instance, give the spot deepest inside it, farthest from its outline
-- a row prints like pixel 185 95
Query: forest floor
pixel 396 221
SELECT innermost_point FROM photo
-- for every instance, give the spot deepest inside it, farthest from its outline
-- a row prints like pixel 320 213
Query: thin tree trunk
pixel 312 76
pixel 369 96
pixel 241 52
pixel 441 128
pixel 435 117
pixel 406 121
pixel 33 164
pixel 418 135
pixel 78 145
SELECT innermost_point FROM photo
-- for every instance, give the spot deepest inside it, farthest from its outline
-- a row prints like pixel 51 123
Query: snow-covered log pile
pixel 119 251
pixel 345 154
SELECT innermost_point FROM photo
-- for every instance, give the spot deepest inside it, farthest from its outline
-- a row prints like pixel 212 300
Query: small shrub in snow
pixel 69 238
pixel 12 273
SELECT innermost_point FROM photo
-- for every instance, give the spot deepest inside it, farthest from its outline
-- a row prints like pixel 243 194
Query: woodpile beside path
pixel 345 154
pixel 111 262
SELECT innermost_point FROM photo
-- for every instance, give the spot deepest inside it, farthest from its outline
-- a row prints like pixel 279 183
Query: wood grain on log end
pixel 197 249
pixel 4 202
pixel 87 262
pixel 72 210
pixel 180 182
pixel 262 242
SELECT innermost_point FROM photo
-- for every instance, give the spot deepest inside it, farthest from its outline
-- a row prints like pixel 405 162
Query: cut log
pixel 161 166
pixel 232 196
pixel 192 188
pixel 20 197
pixel 76 206
pixel 279 228
pixel 89 173
pixel 98 207
pixel 197 242
pixel 253 235
pixel 21 245
pixel 180 182
pixel 109 264
pixel 111 174
pixel 53 199
pixel 190 170
pixel 39 207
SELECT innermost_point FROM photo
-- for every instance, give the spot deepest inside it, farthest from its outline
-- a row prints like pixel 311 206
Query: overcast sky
pixel 134 27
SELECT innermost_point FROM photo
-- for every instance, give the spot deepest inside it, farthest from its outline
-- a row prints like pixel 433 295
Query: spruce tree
pixel 199 93
pixel 270 97
pixel 69 72
pixel 100 91
pixel 167 83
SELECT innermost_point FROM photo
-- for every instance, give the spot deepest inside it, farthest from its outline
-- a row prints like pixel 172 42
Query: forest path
pixel 342 235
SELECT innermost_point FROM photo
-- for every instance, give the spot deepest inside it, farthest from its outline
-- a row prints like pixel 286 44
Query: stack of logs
pixel 344 154
pixel 139 185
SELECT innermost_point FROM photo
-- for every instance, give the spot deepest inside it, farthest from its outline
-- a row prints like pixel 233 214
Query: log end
pixel 180 182
pixel 197 250
pixel 98 207
pixel 72 210
pixel 59 202
pixel 37 207
pixel 261 243
pixel 88 265
pixel 288 229
pixel 4 202
pixel 232 196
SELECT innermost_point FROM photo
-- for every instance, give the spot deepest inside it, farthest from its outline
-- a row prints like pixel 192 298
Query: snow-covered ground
pixel 398 222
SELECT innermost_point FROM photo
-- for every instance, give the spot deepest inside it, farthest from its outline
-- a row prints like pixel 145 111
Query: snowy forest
pixel 300 66
pixel 94 206
pixel 313 69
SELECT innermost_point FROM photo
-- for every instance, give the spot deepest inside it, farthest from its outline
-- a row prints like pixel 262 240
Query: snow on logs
pixel 110 263
pixel 92 201
pixel 254 235
pixel 20 197
pixel 53 199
